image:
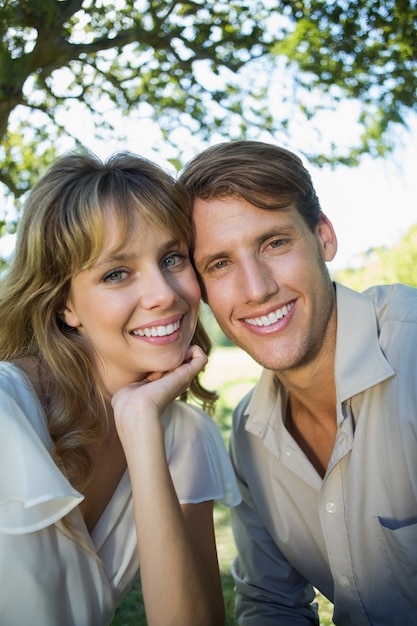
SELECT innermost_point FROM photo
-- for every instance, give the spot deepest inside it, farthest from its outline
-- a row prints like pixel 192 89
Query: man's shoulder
pixel 396 302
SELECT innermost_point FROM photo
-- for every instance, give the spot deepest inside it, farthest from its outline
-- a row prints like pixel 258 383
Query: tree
pixel 359 49
pixel 59 52
pixel 187 62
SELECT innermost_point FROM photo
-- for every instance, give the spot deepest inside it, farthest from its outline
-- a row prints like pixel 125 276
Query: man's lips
pixel 271 318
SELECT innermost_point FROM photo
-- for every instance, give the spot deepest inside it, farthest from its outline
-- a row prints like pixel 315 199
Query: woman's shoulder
pixel 25 372
pixel 189 419
pixel 19 396
pixel 36 493
pixel 197 456
pixel 14 378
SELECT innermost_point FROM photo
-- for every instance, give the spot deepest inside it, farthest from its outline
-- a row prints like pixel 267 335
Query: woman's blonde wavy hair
pixel 60 233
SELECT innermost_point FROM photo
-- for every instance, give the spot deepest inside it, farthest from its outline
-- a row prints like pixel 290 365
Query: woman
pixel 100 468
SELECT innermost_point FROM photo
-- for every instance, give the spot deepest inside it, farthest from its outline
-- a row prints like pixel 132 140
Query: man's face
pixel 265 278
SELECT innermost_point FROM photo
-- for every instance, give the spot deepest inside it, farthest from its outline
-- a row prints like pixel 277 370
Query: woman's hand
pixel 153 394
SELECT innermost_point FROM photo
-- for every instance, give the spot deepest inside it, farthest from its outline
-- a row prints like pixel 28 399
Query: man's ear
pixel 69 315
pixel 327 238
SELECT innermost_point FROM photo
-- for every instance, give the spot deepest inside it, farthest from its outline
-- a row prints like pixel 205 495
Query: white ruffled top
pixel 47 577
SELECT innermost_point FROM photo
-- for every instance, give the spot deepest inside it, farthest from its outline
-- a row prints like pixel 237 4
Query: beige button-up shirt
pixel 352 535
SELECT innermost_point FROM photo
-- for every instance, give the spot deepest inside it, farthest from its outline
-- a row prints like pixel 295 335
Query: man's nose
pixel 258 283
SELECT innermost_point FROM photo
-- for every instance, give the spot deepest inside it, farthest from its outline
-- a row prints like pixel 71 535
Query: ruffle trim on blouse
pixel 33 492
pixel 198 460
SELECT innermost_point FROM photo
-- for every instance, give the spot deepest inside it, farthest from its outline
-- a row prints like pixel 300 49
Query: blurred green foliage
pixel 385 265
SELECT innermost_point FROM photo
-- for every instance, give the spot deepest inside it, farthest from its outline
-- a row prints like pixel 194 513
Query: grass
pixel 232 373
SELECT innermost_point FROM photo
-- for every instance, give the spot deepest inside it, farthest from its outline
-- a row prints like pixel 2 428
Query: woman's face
pixel 138 306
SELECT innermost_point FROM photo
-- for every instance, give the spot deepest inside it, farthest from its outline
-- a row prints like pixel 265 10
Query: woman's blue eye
pixel 173 260
pixel 170 261
pixel 115 276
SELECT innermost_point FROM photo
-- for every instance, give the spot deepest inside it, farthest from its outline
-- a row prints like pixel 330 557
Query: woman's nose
pixel 157 292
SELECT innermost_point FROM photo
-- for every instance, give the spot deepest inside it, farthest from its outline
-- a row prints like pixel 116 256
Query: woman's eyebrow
pixel 124 255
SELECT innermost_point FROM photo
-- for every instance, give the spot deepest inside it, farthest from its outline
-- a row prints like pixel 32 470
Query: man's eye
pixel 219 265
pixel 115 276
pixel 277 243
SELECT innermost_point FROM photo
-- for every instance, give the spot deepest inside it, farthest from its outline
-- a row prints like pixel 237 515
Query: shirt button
pixel 344 582
pixel 331 508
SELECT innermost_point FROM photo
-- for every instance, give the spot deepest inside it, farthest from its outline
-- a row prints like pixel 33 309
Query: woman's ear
pixel 326 237
pixel 69 315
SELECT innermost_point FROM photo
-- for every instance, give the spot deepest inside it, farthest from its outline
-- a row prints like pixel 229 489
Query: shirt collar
pixel 359 362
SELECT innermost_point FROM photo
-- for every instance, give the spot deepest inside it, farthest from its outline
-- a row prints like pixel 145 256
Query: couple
pixel 99 310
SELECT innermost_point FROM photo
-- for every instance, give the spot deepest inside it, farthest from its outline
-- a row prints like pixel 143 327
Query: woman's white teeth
pixel 157 331
pixel 267 320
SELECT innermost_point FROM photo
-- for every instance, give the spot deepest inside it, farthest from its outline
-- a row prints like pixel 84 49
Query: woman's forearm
pixel 176 585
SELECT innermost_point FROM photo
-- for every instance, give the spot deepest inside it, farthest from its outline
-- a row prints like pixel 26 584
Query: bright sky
pixel 371 205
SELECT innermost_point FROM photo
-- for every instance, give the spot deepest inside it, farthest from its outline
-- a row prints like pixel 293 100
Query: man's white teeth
pixel 157 331
pixel 267 320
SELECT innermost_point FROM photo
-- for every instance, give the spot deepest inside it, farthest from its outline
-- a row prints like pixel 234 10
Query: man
pixel 325 445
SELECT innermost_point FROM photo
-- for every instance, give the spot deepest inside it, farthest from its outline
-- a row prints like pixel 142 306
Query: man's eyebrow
pixel 284 231
pixel 204 261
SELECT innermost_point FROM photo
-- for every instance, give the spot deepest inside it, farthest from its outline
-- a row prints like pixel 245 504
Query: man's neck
pixel 311 411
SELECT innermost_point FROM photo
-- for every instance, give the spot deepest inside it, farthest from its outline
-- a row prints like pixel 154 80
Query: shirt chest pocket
pixel 399 541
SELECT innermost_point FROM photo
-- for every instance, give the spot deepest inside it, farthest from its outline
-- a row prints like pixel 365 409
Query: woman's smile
pixel 159 330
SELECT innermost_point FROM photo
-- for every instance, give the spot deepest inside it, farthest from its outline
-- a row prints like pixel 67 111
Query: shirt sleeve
pixel 198 460
pixel 33 492
pixel 269 590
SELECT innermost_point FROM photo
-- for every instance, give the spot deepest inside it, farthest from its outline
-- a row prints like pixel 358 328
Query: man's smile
pixel 271 318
